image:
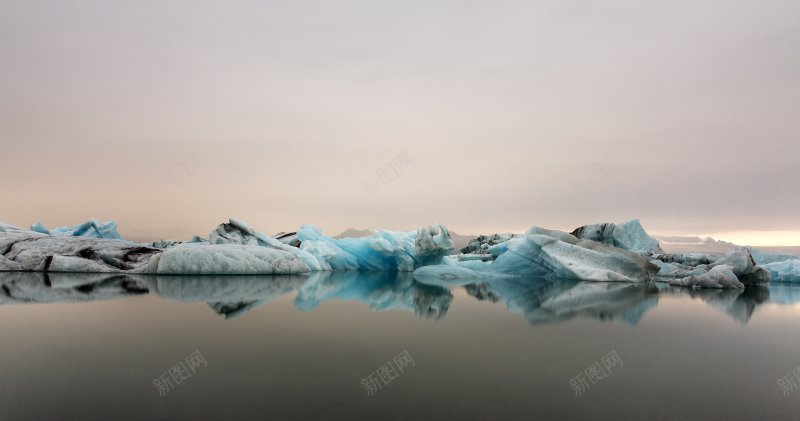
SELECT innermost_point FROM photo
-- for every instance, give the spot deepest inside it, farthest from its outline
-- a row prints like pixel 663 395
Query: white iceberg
pixel 225 259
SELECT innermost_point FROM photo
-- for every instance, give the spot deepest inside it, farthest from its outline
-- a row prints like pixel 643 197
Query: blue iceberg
pixel 92 229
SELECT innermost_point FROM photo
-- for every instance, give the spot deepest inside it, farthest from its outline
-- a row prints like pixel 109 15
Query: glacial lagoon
pixel 380 345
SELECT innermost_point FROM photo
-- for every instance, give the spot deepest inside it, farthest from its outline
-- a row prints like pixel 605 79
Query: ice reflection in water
pixel 537 300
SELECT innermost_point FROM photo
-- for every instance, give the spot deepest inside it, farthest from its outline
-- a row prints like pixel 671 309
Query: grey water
pixel 379 345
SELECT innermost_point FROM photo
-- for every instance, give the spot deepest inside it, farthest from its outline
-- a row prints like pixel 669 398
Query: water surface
pixel 298 347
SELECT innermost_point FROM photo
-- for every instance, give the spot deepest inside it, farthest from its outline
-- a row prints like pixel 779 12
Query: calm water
pixel 298 347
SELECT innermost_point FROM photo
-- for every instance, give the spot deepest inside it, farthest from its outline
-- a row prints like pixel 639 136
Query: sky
pixel 172 116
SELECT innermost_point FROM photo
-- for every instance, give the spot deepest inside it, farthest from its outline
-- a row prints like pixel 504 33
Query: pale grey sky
pixel 171 116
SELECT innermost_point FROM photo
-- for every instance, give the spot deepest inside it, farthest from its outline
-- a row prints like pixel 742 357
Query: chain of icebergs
pixel 600 252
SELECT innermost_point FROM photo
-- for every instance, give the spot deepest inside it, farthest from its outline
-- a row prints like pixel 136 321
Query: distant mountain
pixel 459 241
pixel 354 233
pixel 676 243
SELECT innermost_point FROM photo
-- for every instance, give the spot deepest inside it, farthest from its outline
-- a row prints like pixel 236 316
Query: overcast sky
pixel 171 116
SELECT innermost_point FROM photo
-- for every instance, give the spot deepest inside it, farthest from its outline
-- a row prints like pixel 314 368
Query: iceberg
pixel 763 257
pixel 238 232
pixel 225 259
pixel 782 267
pixel 718 277
pixel 481 244
pixel 605 252
pixel 628 236
pixel 694 269
pixel 784 271
pixel 548 253
pixel 32 251
pixel 383 250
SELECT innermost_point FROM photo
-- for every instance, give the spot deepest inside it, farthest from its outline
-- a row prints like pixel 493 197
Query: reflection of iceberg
pixel 230 296
pixel 34 287
pixel 381 290
pixel 738 303
pixel 784 293
pixel 544 301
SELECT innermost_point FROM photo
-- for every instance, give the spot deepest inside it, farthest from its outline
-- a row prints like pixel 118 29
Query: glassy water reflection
pixel 298 347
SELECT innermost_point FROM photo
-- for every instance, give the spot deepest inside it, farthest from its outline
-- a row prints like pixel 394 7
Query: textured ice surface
pixel 32 251
pixel 92 228
pixel 542 252
pixel 782 267
pixel 225 259
pixel 718 277
pixel 9 228
pixel 384 250
pixel 784 271
pixel 627 235
pixel 482 243
pixel 698 265
pixel 238 232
